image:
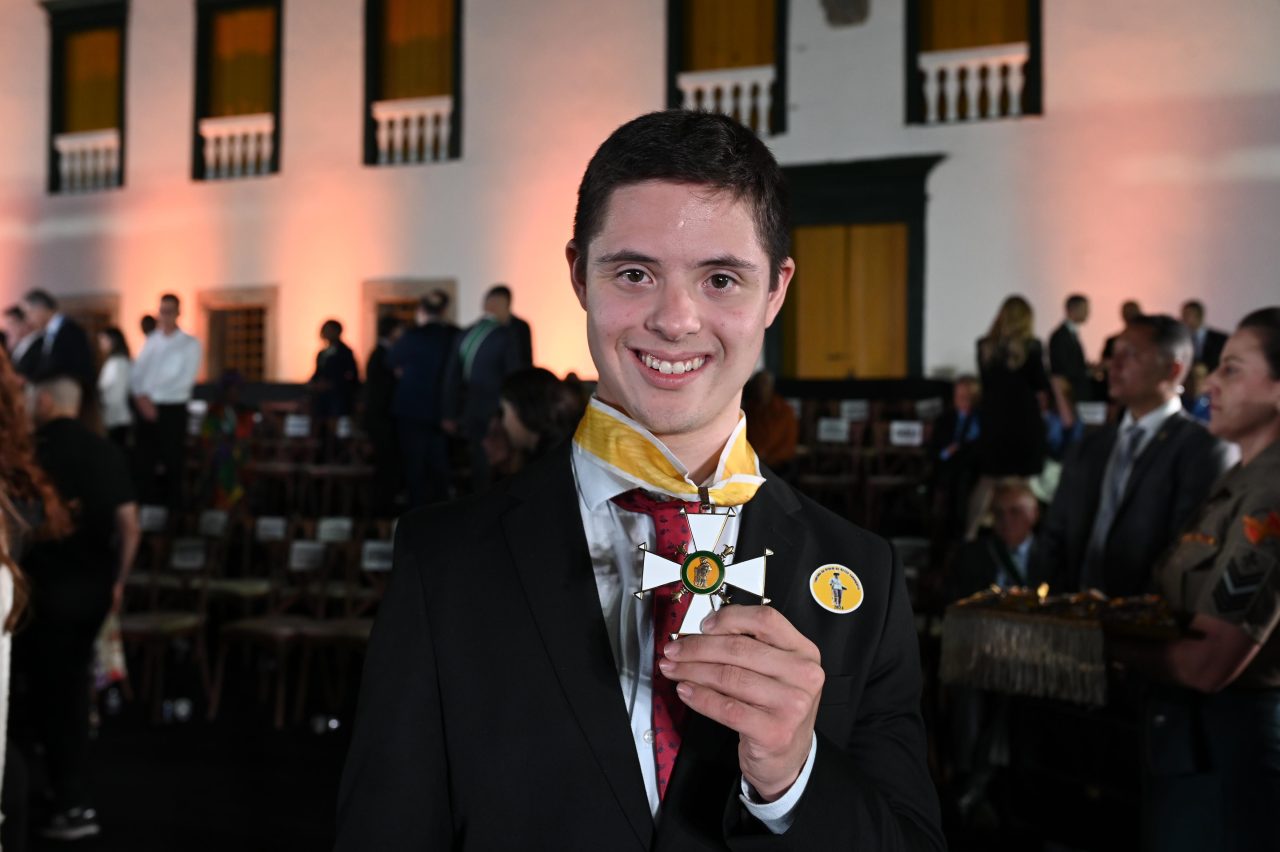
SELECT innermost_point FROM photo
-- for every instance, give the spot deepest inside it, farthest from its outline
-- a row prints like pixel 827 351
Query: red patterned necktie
pixel 669 711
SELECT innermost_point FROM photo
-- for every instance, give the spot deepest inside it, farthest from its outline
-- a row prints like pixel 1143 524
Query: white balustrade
pixel 745 94
pixel 975 72
pixel 237 145
pixel 89 160
pixel 413 130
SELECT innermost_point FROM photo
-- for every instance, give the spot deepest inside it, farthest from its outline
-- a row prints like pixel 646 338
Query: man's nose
pixel 675 312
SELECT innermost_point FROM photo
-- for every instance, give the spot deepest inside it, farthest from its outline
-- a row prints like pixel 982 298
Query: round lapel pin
pixel 836 589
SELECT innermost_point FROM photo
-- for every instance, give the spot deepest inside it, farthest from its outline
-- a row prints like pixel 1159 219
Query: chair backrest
pixel 297 426
pixel 376 556
pixel 305 555
pixel 335 529
pixel 213 523
pixel 270 528
pixel 153 519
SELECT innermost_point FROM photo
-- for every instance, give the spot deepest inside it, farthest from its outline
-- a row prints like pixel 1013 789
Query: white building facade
pixel 1152 170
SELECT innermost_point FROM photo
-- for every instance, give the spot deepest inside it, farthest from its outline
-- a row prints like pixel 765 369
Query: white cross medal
pixel 702 573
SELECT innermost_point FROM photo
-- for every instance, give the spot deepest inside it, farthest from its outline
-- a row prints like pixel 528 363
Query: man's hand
pixel 754 673
pixel 146 408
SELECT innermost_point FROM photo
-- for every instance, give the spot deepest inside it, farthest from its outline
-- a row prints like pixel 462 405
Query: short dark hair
pixel 170 297
pixel 1076 300
pixel 331 325
pixel 435 303
pixel 500 290
pixel 16 312
pixel 683 146
pixel 387 325
pixel 119 346
pixel 1265 323
pixel 546 406
pixel 1170 336
pixel 43 298
pixel 148 323
pixel 1195 305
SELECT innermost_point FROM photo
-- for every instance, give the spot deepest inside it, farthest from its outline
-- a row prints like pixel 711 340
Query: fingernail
pixel 666 665
pixel 684 690
pixel 672 650
pixel 708 622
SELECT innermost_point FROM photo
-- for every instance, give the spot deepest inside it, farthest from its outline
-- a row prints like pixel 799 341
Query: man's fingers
pixel 735 714
pixel 750 687
pixel 748 652
pixel 764 623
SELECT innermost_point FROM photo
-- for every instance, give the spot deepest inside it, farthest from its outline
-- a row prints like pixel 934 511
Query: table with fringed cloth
pixel 1021 642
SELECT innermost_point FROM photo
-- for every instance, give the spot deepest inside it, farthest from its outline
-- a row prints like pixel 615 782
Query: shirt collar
pixel 598 483
pixel 1151 421
pixel 1072 327
pixel 52 326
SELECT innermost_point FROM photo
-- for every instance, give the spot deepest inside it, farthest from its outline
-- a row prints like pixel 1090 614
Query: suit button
pixel 648 737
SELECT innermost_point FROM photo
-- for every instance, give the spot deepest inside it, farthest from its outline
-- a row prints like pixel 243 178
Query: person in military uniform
pixel 1212 725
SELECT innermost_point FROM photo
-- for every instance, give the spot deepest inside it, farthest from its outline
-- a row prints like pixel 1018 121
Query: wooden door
pixel 847 308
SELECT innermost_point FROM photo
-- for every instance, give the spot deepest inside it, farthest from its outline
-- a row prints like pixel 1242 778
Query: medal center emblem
pixel 702 572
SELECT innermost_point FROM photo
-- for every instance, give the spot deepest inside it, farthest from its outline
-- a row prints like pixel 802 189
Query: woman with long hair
pixel 113 384
pixel 1015 389
pixel 29 509
pixel 1213 715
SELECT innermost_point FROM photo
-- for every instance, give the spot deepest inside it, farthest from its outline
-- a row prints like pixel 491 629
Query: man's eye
pixel 721 282
pixel 632 276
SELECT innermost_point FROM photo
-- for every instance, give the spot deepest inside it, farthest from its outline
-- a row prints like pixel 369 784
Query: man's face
pixel 167 316
pixel 676 289
pixel 499 307
pixel 1138 367
pixel 1130 311
pixel 37 315
pixel 1079 314
pixel 15 328
pixel 1191 317
pixel 962 397
pixel 1015 515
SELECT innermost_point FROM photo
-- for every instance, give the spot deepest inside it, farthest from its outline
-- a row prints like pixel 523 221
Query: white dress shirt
pixel 612 538
pixel 113 389
pixel 166 367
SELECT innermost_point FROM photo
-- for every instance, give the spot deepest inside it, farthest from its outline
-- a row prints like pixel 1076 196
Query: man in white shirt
pixel 161 382
pixel 519 684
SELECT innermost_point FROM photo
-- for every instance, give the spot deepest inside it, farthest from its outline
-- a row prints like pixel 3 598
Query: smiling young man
pixel 529 685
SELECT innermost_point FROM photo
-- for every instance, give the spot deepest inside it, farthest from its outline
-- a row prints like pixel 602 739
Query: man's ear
pixel 778 293
pixel 577 271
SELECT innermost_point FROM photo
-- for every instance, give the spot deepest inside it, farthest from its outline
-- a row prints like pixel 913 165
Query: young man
pixel 1066 354
pixel 552 708
pixel 162 380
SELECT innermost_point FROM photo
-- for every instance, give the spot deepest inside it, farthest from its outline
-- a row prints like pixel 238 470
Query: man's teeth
pixel 669 367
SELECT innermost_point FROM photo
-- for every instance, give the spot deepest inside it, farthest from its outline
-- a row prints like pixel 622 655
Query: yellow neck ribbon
pixel 636 455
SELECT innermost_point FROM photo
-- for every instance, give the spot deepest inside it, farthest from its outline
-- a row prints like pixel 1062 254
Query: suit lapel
pixel 767 523
pixel 1155 447
pixel 545 537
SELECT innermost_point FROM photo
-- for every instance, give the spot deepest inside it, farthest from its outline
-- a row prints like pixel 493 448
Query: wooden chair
pixel 177 615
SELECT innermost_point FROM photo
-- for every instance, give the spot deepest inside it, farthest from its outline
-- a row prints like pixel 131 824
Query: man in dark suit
pixel 497 303
pixel 1007 557
pixel 420 359
pixel 336 379
pixel 1127 490
pixel 1066 355
pixel 508 685
pixel 487 352
pixel 1208 342
pixel 61 348
pixel 378 420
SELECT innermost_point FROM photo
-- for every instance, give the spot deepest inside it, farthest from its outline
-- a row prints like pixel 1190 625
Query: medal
pixel 702 572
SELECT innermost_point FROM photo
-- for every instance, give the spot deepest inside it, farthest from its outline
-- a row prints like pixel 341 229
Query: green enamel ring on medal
pixel 702 572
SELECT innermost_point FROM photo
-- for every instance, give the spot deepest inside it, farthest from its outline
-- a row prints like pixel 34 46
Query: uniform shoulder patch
pixel 1261 526
pixel 1242 579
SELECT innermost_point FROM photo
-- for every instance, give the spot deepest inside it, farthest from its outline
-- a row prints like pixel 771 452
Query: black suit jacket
pixel 1066 359
pixel 977 566
pixel 1211 351
pixel 422 355
pixel 523 336
pixel 70 355
pixel 475 399
pixel 1169 480
pixel 491 715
